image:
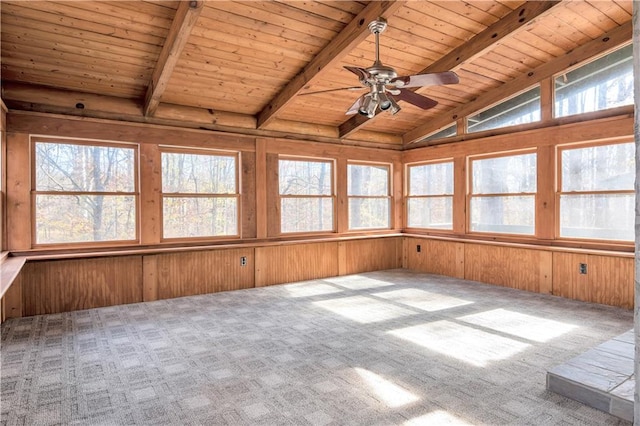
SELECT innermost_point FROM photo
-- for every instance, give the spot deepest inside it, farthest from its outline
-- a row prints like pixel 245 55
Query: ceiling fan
pixel 386 87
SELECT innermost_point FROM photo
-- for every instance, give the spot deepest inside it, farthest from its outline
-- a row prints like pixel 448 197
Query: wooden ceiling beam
pixel 474 48
pixel 606 42
pixel 42 99
pixel 185 19
pixel 353 34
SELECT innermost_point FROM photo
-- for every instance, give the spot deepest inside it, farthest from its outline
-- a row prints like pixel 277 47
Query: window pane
pixel 604 83
pixel 307 214
pixel 504 175
pixel 82 218
pixel 431 179
pixel 432 212
pixel 444 133
pixel 199 217
pixel 83 168
pixel 198 173
pixel 605 168
pixel 305 177
pixel 521 109
pixel 597 216
pixel 368 180
pixel 367 213
pixel 508 214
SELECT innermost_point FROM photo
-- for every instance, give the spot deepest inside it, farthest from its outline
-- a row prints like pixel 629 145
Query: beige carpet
pixel 384 348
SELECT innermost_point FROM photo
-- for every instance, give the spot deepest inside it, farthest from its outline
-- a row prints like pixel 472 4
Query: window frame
pixel 559 193
pixel 388 197
pixel 575 67
pixel 469 193
pixel 135 147
pixel 467 117
pixel 408 196
pixel 170 149
pixel 333 197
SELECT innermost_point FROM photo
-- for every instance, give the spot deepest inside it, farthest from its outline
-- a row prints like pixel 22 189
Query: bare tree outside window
pixel 199 195
pixel 502 198
pixel 430 195
pixel 306 195
pixel 369 196
pixel 84 192
pixel 597 196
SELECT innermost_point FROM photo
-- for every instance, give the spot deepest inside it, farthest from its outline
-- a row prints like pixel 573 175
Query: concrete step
pixel 601 378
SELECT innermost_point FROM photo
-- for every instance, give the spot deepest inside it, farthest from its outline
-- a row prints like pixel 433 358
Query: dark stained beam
pixel 352 35
pixel 185 19
pixel 474 48
pixel 608 41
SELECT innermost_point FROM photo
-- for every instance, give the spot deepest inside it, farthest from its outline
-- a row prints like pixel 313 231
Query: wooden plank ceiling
pixel 269 68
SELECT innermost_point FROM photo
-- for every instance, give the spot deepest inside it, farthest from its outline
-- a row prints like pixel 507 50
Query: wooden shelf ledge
pixel 10 267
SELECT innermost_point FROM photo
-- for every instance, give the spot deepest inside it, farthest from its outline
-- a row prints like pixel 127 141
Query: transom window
pixel 430 195
pixel 369 196
pixel 596 197
pixel 604 83
pixel 520 109
pixel 307 195
pixel 199 194
pixel 502 196
pixel 84 192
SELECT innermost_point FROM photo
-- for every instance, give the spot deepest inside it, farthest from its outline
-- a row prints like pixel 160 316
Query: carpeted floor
pixel 382 348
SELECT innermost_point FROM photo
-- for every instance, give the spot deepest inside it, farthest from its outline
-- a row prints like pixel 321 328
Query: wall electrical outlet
pixel 418 248
pixel 243 261
pixel 583 268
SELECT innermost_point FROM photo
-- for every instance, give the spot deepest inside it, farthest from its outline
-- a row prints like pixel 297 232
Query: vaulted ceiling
pixel 269 68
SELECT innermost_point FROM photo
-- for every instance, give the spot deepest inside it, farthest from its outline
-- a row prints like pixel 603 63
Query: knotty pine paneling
pixel 68 285
pixel 295 262
pixel 609 280
pixel 435 257
pixel 198 272
pixel 512 267
pixel 369 255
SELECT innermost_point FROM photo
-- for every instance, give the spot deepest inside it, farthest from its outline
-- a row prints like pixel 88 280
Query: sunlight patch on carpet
pixel 363 309
pixel 521 325
pixel 386 391
pixel 439 417
pixel 466 344
pixel 424 300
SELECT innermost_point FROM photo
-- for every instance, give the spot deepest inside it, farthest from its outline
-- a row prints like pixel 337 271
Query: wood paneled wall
pixel 434 257
pixel 68 285
pixel 53 286
pixel 609 279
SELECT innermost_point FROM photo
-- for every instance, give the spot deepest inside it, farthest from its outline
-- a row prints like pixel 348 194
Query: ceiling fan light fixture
pixel 369 106
pixel 385 101
pixel 394 108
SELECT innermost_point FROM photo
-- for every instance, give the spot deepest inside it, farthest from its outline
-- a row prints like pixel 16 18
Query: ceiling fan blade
pixel 362 74
pixel 355 107
pixel 433 79
pixel 334 90
pixel 415 99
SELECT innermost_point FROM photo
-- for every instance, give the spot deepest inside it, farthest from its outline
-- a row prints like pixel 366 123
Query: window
pixel 199 194
pixel 502 195
pixel 520 109
pixel 84 192
pixel 601 84
pixel 447 132
pixel 369 196
pixel 430 195
pixel 597 198
pixel 306 195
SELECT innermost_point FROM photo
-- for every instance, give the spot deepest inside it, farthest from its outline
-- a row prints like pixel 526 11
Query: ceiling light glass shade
pixel 385 102
pixel 394 107
pixel 368 107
